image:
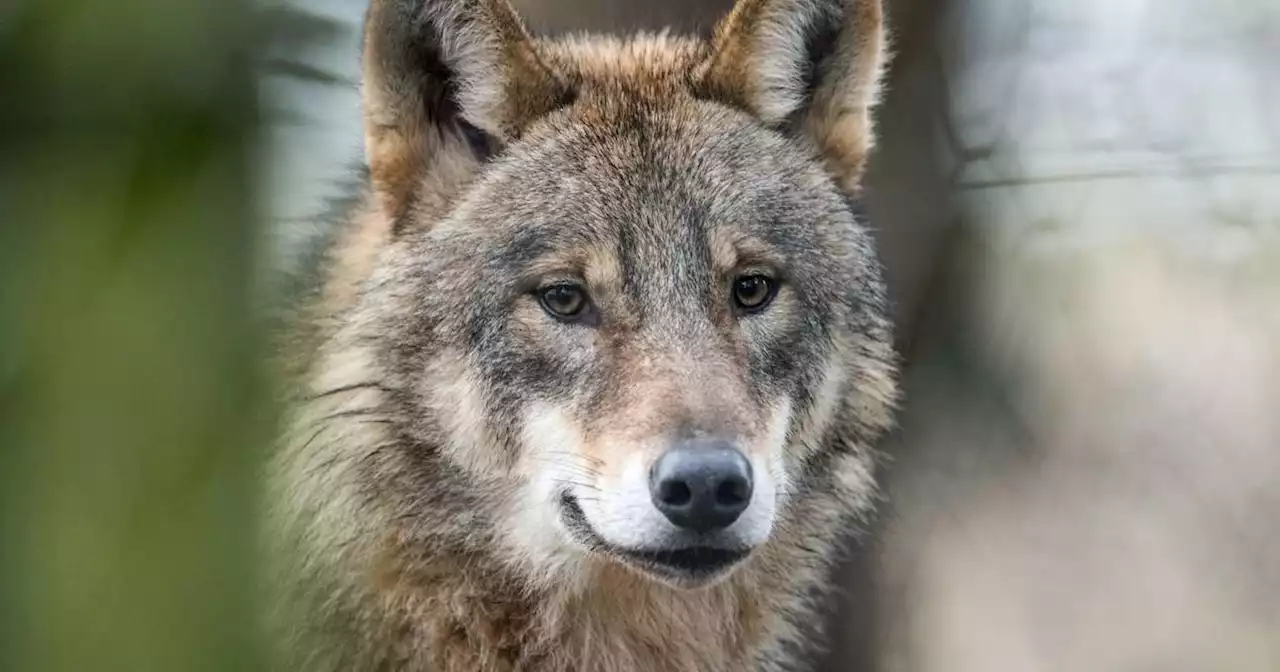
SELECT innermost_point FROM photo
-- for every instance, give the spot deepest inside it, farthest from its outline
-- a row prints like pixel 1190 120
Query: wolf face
pixel 625 312
pixel 649 311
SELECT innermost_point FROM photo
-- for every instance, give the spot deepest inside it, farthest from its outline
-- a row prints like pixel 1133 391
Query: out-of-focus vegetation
pixel 133 406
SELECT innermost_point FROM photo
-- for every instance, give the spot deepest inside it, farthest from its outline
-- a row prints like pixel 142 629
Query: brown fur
pixel 622 622
pixel 381 572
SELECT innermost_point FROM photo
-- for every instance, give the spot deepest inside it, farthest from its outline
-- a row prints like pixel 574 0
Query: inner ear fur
pixel 445 83
pixel 810 67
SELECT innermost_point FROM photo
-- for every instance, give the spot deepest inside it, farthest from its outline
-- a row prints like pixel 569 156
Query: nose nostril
pixel 675 493
pixel 732 493
pixel 701 487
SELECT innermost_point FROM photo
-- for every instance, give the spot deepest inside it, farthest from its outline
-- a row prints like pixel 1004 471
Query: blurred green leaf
pixel 134 408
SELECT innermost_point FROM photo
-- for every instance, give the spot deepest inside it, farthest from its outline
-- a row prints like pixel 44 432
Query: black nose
pixel 701 485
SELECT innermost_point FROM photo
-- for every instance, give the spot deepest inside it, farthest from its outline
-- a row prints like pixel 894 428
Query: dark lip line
pixel 663 562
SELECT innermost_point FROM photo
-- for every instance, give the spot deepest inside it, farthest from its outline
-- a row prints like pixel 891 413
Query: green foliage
pixel 133 407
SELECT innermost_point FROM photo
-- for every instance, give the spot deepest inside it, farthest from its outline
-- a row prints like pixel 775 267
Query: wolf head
pixel 626 311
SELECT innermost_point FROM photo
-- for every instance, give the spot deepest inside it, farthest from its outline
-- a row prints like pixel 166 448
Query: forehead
pixel 652 177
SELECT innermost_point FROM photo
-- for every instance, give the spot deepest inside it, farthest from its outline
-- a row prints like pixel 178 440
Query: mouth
pixel 689 566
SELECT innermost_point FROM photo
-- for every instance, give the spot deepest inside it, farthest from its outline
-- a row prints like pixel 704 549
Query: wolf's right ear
pixel 445 83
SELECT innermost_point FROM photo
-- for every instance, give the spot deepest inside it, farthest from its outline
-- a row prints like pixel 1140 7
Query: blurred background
pixel 1078 204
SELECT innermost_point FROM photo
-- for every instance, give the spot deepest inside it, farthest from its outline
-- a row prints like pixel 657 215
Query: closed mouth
pixel 691 565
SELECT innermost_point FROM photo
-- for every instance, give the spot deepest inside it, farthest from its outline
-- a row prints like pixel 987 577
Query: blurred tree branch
pixel 288 31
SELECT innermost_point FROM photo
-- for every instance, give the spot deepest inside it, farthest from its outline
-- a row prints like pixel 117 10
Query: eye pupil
pixel 563 300
pixel 753 292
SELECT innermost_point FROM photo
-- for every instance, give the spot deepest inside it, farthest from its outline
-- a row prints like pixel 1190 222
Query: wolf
pixel 594 368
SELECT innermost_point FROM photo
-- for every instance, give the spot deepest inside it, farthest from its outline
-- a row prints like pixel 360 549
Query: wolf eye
pixel 564 302
pixel 751 293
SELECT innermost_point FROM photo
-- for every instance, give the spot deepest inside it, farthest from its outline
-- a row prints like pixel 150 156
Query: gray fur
pixel 439 414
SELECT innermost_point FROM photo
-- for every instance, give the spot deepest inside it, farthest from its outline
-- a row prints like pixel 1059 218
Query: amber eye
pixel 751 293
pixel 564 302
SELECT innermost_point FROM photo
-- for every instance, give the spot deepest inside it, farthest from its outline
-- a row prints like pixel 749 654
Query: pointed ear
pixel 445 83
pixel 811 67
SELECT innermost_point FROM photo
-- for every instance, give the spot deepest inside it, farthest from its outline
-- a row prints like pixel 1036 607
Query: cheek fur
pixel 528 356
pixel 784 344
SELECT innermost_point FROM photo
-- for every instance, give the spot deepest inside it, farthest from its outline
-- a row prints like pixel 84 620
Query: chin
pixel 685 563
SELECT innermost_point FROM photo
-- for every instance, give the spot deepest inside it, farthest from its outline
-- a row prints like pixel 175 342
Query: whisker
pixel 306 444
pixel 576 455
pixel 352 412
pixel 567 463
pixel 326 427
pixel 371 385
pixel 568 458
pixel 570 473
pixel 588 486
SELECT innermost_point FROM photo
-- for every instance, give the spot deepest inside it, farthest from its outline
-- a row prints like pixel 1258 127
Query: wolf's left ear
pixel 810 67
